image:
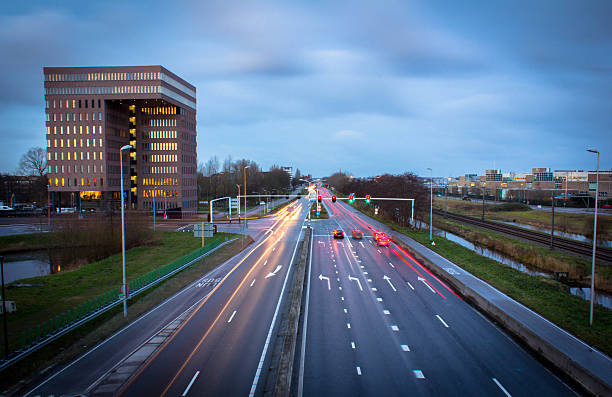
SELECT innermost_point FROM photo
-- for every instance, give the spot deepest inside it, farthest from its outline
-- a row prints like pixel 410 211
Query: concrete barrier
pixel 282 386
pixel 540 346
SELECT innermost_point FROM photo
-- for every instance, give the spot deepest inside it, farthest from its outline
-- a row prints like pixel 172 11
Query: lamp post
pixel 594 237
pixel 245 196
pixel 430 203
pixel 126 147
pixel 4 309
pixel 238 202
pixel 154 192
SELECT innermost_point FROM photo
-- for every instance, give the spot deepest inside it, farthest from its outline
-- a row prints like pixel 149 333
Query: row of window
pixel 102 76
pixel 75 102
pixel 161 146
pixel 160 181
pixel 75 157
pixel 74 142
pixel 163 123
pixel 74 130
pixel 160 193
pixel 85 181
pixel 159 110
pixel 159 134
pixel 164 158
pixel 74 116
pixel 76 169
pixel 123 89
pixel 160 170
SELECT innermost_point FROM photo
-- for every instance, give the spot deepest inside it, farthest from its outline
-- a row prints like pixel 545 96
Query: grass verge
pixel 31 370
pixel 54 294
pixel 545 296
pixel 322 214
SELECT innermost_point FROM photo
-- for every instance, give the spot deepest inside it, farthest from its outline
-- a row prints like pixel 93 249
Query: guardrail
pixel 37 337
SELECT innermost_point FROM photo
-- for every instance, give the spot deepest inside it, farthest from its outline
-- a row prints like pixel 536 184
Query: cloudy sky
pixel 363 86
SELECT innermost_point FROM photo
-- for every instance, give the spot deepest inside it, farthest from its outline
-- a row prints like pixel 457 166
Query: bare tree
pixel 33 162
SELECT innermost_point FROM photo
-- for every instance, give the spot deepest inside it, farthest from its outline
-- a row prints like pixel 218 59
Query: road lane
pixel 410 326
pixel 228 352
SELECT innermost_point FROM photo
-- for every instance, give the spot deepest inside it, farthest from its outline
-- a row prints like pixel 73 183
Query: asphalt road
pixel 380 324
pixel 224 337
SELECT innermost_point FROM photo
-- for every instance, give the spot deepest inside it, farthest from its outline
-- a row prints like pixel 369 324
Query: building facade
pixel 91 112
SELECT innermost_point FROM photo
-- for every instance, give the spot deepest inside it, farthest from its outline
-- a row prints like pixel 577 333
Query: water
pixel 601 298
pixel 572 236
pixel 26 265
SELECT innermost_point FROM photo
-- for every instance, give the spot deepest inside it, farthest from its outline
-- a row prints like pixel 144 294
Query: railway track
pixel 602 255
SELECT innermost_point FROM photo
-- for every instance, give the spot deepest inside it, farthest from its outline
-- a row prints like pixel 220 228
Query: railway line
pixel 603 254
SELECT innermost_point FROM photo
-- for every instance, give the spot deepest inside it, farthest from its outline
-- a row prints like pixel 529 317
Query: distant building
pixel 542 174
pixel 91 112
pixel 288 170
pixel 493 176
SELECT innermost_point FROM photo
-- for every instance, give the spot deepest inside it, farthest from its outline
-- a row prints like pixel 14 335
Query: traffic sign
pixel 234 202
pixel 203 229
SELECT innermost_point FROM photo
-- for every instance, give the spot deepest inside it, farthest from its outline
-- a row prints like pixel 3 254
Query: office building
pixel 91 112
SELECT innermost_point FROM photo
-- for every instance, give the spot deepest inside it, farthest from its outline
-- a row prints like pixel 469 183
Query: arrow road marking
pixel 275 271
pixel 426 284
pixel 389 281
pixel 322 277
pixel 356 279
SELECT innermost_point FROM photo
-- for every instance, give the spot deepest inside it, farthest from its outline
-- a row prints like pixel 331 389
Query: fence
pixel 38 336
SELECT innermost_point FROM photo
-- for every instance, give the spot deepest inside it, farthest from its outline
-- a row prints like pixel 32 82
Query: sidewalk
pixel 581 362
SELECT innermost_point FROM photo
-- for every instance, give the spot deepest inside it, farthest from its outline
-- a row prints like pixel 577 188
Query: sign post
pixel 204 229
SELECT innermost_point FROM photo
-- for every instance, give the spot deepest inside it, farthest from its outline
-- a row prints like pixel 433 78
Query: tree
pixel 33 162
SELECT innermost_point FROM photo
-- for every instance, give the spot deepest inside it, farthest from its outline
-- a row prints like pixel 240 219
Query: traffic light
pixel 333 199
pixel 319 199
pixel 368 199
pixel 351 199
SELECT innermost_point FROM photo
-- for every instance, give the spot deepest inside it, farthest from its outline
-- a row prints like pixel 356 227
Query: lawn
pixel 56 293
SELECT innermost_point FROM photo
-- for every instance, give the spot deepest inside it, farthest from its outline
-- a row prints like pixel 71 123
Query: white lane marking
pixel 379 252
pixel 340 288
pixel 392 265
pixel 410 285
pixel 362 244
pixel 374 289
pixel 363 267
pixel 419 374
pixel 365 272
pixel 387 312
pixel 342 298
pixel 273 249
pixel 358 370
pixel 358 282
pixel 369 280
pixel 337 273
pixel 395 328
pixel 346 311
pixel 426 284
pixel 322 277
pixel 253 282
pixel 232 317
pixel 443 322
pixel 405 348
pixel 385 277
pixel 275 271
pixel 348 325
pixel 266 262
pixel 502 388
pixel 353 345
pixel 379 299
pixel 190 384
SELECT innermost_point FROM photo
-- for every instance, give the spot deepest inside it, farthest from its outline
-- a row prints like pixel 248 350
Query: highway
pixel 378 323
pixel 222 340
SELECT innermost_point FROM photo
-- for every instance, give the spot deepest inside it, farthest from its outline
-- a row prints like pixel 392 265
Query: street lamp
pixel 154 192
pixel 238 203
pixel 594 237
pixel 245 198
pixel 430 204
pixel 126 147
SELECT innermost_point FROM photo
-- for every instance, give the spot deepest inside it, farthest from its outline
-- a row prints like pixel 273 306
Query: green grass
pixel 545 296
pixel 64 290
pixel 322 214
pixel 26 242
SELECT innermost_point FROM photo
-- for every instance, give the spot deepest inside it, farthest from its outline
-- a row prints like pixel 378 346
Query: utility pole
pixel 483 194
pixel 552 228
pixel 6 351
pixel 594 237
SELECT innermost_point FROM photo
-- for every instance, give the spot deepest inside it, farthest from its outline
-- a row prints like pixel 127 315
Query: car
pixel 378 235
pixel 466 198
pixel 383 241
pixel 358 234
pixel 338 233
pixel 607 206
